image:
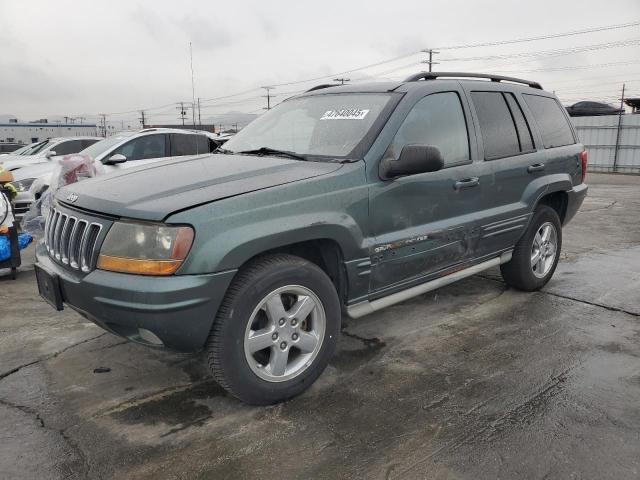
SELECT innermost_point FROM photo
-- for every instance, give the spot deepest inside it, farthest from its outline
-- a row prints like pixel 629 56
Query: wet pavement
pixel 474 380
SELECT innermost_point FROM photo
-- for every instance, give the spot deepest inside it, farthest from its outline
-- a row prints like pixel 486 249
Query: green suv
pixel 339 201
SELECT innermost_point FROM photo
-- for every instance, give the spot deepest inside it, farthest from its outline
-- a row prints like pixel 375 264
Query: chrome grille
pixel 71 240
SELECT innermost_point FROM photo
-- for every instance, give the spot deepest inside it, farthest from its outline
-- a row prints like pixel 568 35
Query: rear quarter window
pixel 554 126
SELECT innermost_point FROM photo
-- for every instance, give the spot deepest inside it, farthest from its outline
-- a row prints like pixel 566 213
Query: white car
pixel 123 150
pixel 45 150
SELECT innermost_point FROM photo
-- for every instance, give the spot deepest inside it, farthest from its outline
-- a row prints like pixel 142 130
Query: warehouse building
pixel 26 133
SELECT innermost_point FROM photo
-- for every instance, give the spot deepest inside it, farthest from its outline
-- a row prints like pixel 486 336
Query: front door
pixel 426 222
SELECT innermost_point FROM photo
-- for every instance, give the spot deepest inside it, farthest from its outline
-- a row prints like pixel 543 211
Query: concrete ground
pixel 472 381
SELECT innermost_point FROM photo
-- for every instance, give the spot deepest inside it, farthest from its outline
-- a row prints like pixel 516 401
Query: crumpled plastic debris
pixel 70 169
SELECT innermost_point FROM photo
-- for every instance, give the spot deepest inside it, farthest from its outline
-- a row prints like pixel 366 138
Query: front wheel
pixel 276 330
pixel 536 254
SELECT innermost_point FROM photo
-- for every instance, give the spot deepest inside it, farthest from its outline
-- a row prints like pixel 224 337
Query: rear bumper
pixel 575 197
pixel 178 310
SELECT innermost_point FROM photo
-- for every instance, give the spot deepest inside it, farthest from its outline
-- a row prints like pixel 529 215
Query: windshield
pixel 325 125
pixel 21 150
pixel 36 148
pixel 98 148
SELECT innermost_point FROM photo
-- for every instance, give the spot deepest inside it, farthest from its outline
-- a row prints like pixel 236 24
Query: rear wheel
pixel 536 255
pixel 276 330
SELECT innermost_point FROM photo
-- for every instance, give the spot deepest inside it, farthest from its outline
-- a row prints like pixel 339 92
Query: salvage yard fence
pixel 613 142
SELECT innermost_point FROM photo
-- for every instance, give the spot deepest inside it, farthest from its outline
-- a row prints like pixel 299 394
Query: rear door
pixel 562 153
pixel 511 159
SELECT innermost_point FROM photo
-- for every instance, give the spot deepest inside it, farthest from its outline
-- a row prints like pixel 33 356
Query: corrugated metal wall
pixel 600 134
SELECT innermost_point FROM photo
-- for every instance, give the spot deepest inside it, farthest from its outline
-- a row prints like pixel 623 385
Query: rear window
pixel 554 126
pixel 188 144
pixel 498 130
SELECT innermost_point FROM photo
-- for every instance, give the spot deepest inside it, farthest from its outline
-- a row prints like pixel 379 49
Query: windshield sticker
pixel 345 114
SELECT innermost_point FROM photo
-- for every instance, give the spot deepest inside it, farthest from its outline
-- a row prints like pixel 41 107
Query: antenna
pixel 193 88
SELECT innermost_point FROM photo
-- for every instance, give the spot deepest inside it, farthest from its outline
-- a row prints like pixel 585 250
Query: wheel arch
pixel 558 201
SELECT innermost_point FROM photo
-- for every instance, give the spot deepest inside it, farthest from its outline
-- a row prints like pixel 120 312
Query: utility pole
pixel 341 80
pixel 183 112
pixel 431 53
pixel 615 153
pixel 143 120
pixel 199 113
pixel 268 96
pixel 103 120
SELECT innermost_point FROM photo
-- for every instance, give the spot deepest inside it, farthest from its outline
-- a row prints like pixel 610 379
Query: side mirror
pixel 115 159
pixel 50 154
pixel 413 159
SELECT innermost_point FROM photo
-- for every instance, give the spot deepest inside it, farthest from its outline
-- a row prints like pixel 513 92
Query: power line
pixel 574 67
pixel 451 47
pixel 554 53
pixel 542 37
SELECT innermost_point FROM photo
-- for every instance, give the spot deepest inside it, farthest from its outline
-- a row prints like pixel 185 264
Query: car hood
pixel 34 170
pixel 154 191
pixel 14 162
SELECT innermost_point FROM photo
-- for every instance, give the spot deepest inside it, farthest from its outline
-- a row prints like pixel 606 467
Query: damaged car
pixel 340 201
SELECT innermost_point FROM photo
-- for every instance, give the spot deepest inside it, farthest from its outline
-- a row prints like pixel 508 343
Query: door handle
pixel 467 183
pixel 536 167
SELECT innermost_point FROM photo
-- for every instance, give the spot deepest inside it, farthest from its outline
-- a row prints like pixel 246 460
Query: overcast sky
pixel 68 57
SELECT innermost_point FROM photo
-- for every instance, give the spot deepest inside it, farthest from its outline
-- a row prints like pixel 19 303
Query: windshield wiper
pixel 273 151
pixel 223 151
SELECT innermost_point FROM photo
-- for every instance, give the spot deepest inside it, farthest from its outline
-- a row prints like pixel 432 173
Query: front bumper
pixel 575 197
pixel 179 310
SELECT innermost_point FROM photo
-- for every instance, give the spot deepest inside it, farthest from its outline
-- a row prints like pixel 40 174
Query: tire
pixel 521 272
pixel 247 322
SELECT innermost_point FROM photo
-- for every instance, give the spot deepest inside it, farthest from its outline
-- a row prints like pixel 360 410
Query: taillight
pixel 583 161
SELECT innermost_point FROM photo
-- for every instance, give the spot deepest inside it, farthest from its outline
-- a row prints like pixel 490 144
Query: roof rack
pixel 324 85
pixel 493 78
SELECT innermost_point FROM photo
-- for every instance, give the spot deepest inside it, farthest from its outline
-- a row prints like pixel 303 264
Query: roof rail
pixel 493 78
pixel 324 85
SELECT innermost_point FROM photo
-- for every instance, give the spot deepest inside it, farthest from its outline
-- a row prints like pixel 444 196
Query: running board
pixel 365 308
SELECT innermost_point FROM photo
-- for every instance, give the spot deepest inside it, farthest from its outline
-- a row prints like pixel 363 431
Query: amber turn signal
pixel 138 266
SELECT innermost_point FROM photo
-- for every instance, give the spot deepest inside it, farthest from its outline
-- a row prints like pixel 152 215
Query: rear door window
pixel 436 120
pixel 186 144
pixel 499 135
pixel 548 114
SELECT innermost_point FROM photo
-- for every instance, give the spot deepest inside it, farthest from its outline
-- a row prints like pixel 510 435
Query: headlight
pixel 145 249
pixel 24 184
